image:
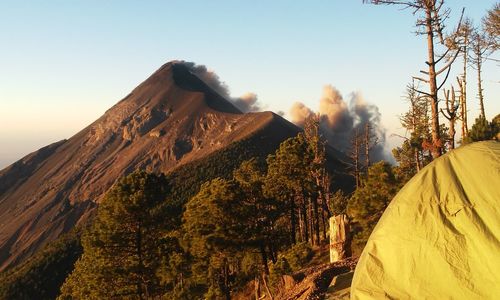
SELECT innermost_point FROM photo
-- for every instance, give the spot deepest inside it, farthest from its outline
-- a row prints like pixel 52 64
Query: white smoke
pixel 299 113
pixel 340 119
pixel 248 102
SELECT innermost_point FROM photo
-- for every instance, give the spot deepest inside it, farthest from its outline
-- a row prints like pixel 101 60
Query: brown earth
pixel 171 119
pixel 312 283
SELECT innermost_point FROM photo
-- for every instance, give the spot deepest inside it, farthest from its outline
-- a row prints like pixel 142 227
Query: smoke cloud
pixel 248 102
pixel 299 113
pixel 340 119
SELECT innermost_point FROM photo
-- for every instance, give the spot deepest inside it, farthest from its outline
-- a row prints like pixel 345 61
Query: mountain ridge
pixel 170 119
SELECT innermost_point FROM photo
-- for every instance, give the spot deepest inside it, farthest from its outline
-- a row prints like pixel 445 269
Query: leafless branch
pixel 421 92
pixel 448 64
pixel 421 79
pixel 445 78
pixel 400 136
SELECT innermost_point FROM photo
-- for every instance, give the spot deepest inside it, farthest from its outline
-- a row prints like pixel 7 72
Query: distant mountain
pixel 172 119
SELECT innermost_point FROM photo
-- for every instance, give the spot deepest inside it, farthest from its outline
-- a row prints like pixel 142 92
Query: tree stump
pixel 340 238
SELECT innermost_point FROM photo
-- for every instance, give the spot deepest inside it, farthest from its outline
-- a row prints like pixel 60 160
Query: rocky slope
pixel 171 119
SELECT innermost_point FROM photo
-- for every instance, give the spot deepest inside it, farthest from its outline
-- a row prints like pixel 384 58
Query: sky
pixel 64 63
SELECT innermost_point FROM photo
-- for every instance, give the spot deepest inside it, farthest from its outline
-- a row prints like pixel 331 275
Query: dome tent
pixel 439 238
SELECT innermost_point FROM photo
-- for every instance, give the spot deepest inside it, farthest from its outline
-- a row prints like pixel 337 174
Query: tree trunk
pixel 323 223
pixel 340 238
pixel 310 221
pixel 367 147
pixel 304 219
pixel 320 183
pixel 256 288
pixel 266 287
pixel 436 149
pixel 452 133
pixel 480 84
pixel 417 159
pixel 301 224
pixel 355 158
pixel 416 151
pixel 292 222
pixel 263 254
pixel 138 244
pixel 227 292
pixel 326 185
pixel 272 253
pixel 463 111
pixel 465 129
pixel 316 219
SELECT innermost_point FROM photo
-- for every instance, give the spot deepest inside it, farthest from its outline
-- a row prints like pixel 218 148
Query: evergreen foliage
pixel 290 261
pixel 261 217
pixel 482 130
pixel 338 202
pixel 298 256
pixel 288 180
pixel 187 179
pixel 121 254
pixel 413 154
pixel 141 245
pixel 369 201
pixel 224 224
pixel 42 275
pixel 209 235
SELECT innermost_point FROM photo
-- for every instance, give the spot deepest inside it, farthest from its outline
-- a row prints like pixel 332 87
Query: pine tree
pixel 317 148
pixel 288 179
pixel 482 130
pixel 209 236
pixel 120 249
pixel 259 215
pixel 369 202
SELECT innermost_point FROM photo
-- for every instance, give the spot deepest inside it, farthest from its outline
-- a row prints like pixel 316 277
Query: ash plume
pixel 248 102
pixel 340 119
pixel 299 112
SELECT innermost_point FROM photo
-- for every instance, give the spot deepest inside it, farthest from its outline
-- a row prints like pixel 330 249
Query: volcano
pixel 171 119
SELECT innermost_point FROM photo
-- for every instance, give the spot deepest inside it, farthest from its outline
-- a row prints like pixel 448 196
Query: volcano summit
pixel 171 119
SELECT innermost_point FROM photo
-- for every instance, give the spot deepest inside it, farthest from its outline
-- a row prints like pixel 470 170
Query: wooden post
pixel 340 239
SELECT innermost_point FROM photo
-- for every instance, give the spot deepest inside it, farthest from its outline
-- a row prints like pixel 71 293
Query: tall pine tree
pixel 120 249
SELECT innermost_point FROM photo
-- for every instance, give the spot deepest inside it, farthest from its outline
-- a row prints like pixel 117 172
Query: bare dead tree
pixel 354 155
pixel 451 114
pixel 430 23
pixel 461 40
pixel 463 107
pixel 370 141
pixel 416 122
pixel 481 48
pixel 491 25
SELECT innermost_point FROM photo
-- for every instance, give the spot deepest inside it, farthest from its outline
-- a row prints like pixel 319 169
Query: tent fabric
pixel 439 238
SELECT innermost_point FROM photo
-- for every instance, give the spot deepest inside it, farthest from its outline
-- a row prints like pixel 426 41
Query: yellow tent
pixel 440 236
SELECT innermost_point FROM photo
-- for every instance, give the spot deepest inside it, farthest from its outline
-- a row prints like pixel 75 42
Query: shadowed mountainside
pixel 171 119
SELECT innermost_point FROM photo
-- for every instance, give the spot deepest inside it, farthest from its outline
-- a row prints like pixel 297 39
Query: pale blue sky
pixel 63 63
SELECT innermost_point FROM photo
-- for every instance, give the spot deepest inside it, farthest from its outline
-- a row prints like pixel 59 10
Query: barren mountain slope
pixel 170 119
